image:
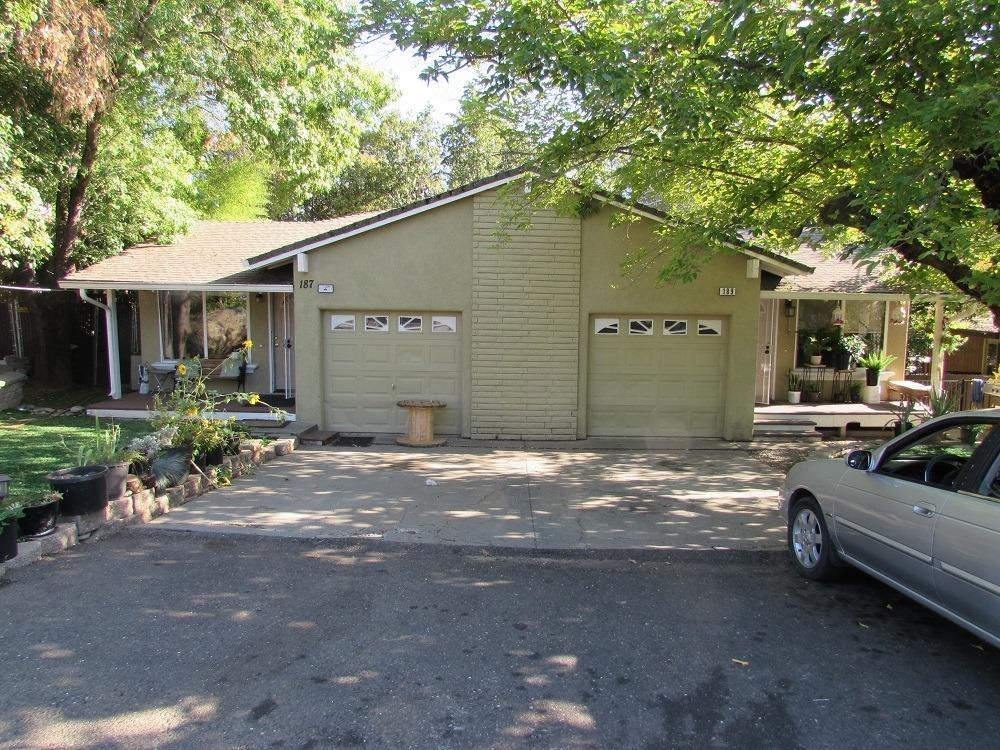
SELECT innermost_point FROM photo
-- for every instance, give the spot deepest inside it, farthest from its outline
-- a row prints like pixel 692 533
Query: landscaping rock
pixel 87 524
pixel 142 505
pixel 63 537
pixel 282 447
pixel 11 390
pixel 160 506
pixel 174 497
pixel 120 509
pixel 269 453
pixel 192 487
pixel 76 409
pixel 133 484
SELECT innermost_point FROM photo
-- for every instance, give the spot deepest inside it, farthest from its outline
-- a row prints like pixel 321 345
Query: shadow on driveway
pixel 537 499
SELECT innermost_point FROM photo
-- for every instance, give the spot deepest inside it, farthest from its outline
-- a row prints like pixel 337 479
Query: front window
pixel 861 317
pixel 202 324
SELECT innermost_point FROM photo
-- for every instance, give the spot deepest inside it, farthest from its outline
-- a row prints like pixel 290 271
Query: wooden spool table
pixel 420 431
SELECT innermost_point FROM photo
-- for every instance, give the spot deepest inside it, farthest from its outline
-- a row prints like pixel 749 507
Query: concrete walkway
pixel 708 498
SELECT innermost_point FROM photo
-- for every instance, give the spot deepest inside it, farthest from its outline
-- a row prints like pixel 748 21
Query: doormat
pixel 354 441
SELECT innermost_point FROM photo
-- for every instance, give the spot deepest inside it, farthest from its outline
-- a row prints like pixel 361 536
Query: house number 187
pixel 305 284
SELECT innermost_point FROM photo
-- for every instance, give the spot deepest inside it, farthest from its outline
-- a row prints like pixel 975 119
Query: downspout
pixel 111 316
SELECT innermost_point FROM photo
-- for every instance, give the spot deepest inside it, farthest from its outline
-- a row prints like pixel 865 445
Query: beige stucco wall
pixel 149 337
pixel 603 289
pixel 422 263
pixel 553 276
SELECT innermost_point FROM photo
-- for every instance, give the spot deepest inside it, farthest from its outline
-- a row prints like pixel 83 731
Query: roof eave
pixel 171 287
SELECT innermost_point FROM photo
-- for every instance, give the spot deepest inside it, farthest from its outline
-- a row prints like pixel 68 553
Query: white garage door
pixel 374 359
pixel 656 376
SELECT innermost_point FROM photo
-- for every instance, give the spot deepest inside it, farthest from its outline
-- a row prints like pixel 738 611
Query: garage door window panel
pixel 410 324
pixel 377 323
pixel 675 327
pixel 640 327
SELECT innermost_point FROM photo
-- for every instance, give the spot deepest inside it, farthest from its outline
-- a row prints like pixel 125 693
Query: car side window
pixel 937 458
pixel 991 484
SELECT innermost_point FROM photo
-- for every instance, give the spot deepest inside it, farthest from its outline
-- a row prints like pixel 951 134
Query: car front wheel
pixel 809 542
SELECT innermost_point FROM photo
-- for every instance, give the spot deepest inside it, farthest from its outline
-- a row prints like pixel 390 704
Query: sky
pixel 441 96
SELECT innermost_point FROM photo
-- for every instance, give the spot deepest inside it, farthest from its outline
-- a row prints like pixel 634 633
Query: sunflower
pixel 182 369
pixel 191 411
pixel 248 344
pixel 253 399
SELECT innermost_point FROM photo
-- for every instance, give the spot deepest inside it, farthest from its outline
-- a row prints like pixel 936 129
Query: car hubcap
pixel 807 538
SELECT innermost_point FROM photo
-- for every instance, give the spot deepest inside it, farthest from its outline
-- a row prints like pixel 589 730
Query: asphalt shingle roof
pixel 212 252
pixel 832 275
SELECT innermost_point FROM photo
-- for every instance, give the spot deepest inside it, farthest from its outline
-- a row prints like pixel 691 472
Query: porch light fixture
pixel 837 316
pixel 4 484
pixel 898 316
pixel 789 309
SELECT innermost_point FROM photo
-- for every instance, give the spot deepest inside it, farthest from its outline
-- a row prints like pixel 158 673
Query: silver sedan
pixel 921 513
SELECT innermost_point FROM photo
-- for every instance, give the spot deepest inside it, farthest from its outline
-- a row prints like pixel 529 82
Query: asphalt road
pixel 157 639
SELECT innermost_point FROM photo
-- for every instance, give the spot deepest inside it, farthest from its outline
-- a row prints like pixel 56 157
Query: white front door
pixel 766 335
pixel 282 344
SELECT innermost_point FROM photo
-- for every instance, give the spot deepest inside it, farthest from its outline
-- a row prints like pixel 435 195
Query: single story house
pixel 522 331
pixel 980 354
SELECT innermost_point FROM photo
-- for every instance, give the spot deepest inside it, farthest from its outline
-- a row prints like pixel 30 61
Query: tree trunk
pixel 69 207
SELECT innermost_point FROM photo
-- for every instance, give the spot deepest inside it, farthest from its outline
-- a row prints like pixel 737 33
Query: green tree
pixel 399 161
pixel 232 188
pixel 479 141
pixel 103 91
pixel 22 213
pixel 877 121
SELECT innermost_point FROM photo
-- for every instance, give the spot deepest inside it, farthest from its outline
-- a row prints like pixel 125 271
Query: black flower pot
pixel 38 520
pixel 8 541
pixel 871 376
pixel 117 477
pixel 842 361
pixel 898 428
pixel 84 489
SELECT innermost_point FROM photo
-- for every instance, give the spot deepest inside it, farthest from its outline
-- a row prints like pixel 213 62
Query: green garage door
pixel 656 376
pixel 374 359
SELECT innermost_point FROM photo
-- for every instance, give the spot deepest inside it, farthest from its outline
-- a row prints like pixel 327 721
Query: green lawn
pixel 31 447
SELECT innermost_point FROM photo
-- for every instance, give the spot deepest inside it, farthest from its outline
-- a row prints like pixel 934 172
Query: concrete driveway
pixel 717 497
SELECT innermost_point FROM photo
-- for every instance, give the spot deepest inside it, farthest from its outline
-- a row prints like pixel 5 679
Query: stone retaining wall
pixel 141 505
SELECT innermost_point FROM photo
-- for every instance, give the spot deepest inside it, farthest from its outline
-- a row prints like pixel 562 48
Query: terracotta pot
pixel 116 479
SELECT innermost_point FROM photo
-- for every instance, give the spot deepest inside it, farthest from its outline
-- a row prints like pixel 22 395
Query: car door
pixel 967 551
pixel 885 517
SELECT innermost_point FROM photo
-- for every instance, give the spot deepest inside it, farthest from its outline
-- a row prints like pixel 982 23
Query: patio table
pixel 420 430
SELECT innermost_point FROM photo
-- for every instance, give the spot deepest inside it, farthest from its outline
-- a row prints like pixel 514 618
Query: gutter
pixel 111 316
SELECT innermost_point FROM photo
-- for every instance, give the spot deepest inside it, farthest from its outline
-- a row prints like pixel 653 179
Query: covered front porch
pixel 791 420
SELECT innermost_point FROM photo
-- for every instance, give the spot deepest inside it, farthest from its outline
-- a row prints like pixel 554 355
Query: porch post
pixel 111 318
pixel 937 359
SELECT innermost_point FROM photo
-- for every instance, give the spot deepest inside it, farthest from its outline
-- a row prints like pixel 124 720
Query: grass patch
pixel 31 447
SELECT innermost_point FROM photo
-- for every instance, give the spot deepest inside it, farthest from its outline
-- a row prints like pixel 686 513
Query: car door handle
pixel 923 510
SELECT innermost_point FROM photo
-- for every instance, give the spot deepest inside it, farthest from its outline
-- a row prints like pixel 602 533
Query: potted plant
pixel 794 387
pixel 813 349
pixel 10 511
pixel 855 393
pixel 40 513
pixel 903 413
pixel 874 363
pixel 942 402
pixel 812 391
pixel 847 351
pixel 106 449
pixel 84 488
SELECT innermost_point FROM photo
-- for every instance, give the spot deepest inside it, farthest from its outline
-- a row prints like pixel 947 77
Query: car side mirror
pixel 860 460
